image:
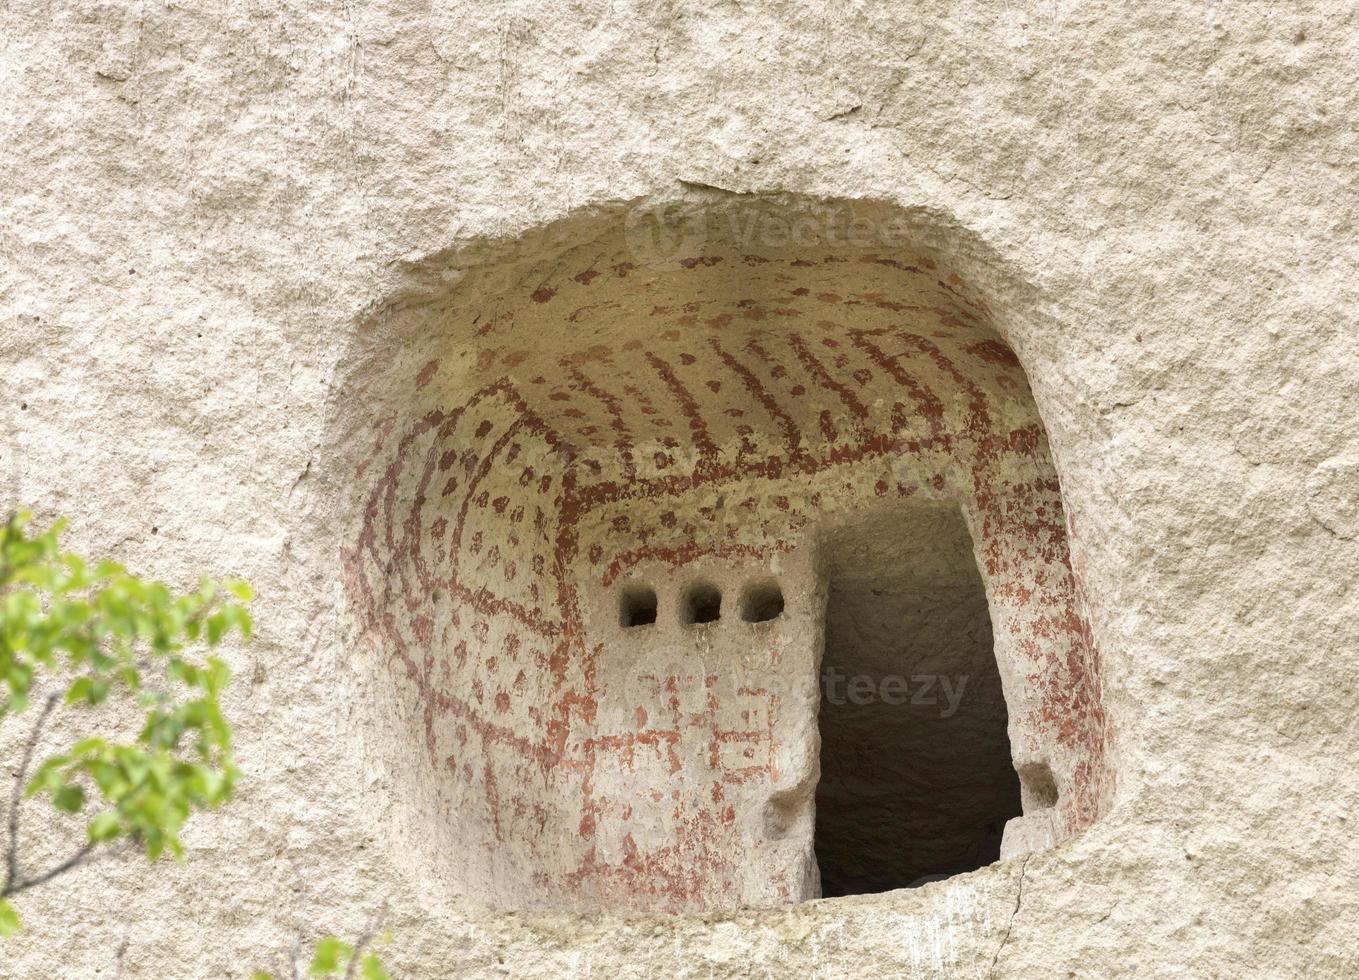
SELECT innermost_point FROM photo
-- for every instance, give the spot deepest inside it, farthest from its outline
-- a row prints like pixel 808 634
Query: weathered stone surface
pixel 228 232
pixel 1333 496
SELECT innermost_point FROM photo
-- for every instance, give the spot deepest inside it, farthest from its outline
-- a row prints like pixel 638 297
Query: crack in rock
pixel 1009 923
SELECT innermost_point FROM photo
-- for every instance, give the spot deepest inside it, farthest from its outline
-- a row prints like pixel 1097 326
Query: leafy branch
pixel 103 635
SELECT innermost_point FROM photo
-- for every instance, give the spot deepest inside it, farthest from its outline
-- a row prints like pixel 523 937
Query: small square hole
pixel 1037 786
pixel 761 602
pixel 637 606
pixel 702 604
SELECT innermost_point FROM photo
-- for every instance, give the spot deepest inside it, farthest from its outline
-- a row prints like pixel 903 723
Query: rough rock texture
pixel 227 230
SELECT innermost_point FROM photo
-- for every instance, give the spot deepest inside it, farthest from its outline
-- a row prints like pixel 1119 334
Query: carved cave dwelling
pixel 739 578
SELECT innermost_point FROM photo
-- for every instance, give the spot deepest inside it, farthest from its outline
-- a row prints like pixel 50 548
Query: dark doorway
pixel 917 780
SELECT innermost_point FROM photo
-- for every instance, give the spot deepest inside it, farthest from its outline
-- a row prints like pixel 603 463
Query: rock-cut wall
pixel 449 325
pixel 712 414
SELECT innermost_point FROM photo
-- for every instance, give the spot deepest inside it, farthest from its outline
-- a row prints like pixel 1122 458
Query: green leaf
pixel 69 798
pixel 217 625
pixel 104 826
pixel 331 954
pixel 241 618
pixel 9 920
pixel 261 975
pixel 81 690
pixel 48 777
pixel 372 968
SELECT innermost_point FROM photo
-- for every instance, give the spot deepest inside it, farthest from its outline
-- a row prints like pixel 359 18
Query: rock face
pixel 692 463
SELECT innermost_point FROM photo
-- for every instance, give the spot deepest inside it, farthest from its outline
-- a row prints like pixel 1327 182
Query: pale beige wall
pixel 206 210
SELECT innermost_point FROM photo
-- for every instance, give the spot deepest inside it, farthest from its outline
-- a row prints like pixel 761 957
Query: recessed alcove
pixel 761 602
pixel 637 606
pixel 601 480
pixel 702 604
pixel 1039 787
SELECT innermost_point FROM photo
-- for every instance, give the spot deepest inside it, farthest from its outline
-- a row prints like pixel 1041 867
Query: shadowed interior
pixel 917 780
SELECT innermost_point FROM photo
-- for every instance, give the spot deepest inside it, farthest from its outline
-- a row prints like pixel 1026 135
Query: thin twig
pixel 368 934
pixel 122 953
pixel 75 860
pixel 16 797
pixel 86 855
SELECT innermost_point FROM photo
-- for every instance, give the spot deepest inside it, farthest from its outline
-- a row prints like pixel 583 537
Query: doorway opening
pixel 917 779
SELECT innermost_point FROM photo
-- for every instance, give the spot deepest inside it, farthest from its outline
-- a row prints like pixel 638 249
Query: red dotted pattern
pixel 718 413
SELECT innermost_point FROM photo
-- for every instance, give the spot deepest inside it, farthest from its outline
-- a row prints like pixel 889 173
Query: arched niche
pixel 644 399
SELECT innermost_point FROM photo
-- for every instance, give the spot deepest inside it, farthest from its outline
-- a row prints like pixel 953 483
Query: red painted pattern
pixel 487 515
